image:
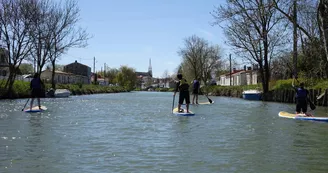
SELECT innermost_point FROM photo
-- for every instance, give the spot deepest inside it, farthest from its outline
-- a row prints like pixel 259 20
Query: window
pixel 4 73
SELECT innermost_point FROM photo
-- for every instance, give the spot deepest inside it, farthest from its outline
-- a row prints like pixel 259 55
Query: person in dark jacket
pixel 195 90
pixel 36 87
pixel 301 99
pixel 182 87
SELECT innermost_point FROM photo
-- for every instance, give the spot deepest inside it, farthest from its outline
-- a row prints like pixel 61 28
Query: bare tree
pixel 200 58
pixel 253 32
pixel 14 30
pixel 305 7
pixel 64 31
pixel 41 31
pixel 192 52
pixel 165 76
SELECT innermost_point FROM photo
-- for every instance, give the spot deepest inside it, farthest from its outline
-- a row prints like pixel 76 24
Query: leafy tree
pixel 126 78
pixel 26 68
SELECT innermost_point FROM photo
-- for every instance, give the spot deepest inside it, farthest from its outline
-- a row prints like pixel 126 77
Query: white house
pixel 63 77
pixel 239 77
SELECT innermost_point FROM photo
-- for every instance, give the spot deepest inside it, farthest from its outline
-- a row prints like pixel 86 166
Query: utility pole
pixel 104 69
pixel 94 70
pixel 230 67
pixel 295 37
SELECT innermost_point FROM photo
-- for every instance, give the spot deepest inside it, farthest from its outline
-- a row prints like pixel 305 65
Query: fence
pixel 285 96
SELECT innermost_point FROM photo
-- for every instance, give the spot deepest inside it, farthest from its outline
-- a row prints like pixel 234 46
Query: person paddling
pixel 36 86
pixel 195 90
pixel 182 87
pixel 301 98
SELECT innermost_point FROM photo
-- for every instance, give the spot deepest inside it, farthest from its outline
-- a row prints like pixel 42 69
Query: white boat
pixel 252 94
pixel 62 93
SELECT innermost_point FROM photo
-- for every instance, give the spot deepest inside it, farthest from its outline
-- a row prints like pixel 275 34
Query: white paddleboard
pixel 36 109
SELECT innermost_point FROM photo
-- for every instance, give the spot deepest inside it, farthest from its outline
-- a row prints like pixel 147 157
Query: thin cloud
pixel 207 34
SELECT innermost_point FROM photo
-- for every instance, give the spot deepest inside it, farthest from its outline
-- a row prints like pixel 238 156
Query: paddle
pixel 173 103
pixel 26 104
pixel 319 97
pixel 209 99
pixel 312 106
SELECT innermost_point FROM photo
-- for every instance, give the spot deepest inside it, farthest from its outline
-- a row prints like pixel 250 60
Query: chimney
pixel 244 67
pixel 233 70
pixel 75 61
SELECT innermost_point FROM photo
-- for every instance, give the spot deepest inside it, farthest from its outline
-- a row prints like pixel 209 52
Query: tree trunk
pixel 10 82
pixel 323 24
pixel 53 84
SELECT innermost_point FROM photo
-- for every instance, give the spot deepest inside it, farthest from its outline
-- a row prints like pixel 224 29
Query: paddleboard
pixel 35 109
pixel 184 113
pixel 203 103
pixel 301 117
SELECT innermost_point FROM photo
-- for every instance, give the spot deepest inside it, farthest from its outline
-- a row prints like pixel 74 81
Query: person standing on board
pixel 36 86
pixel 195 90
pixel 301 98
pixel 182 87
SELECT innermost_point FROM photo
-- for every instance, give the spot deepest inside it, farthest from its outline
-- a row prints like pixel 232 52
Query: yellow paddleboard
pixel 184 113
pixel 301 116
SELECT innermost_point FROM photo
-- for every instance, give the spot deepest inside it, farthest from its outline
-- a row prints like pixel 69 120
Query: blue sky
pixel 130 32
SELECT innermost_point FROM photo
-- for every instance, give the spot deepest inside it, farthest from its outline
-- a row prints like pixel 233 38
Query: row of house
pixel 247 76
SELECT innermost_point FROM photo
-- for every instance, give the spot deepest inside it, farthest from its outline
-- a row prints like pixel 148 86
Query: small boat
pixel 253 94
pixel 62 93
pixel 58 93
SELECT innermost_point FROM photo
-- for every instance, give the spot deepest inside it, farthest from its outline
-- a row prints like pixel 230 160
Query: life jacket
pixel 36 83
pixel 196 84
pixel 301 93
pixel 183 85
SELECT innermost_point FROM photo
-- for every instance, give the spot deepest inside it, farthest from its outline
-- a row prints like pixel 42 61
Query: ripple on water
pixel 136 132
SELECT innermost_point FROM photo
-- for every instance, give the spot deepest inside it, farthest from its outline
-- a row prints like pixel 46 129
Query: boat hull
pixel 252 96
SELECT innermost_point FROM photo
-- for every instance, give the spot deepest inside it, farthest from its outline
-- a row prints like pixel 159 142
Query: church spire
pixel 150 70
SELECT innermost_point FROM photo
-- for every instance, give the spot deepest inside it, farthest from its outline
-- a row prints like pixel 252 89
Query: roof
pixel 57 71
pixel 142 74
pixel 234 72
pixel 237 71
pixel 76 63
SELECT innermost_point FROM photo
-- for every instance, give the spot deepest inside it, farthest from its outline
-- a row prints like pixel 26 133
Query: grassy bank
pixel 279 85
pixel 21 89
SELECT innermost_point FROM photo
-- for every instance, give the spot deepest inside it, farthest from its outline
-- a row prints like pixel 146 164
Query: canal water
pixel 136 132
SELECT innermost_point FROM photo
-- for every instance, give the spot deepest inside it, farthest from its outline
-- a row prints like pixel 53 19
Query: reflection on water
pixel 136 132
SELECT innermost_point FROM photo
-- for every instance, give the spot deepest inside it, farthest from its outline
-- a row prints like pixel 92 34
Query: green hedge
pixel 21 89
pixel 274 85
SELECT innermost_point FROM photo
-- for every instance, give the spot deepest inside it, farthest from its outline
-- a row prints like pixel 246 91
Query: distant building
pixel 101 81
pixel 63 77
pixel 78 69
pixel 247 76
pixel 145 79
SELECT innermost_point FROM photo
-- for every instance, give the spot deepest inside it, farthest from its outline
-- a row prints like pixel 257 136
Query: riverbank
pixel 280 91
pixel 21 89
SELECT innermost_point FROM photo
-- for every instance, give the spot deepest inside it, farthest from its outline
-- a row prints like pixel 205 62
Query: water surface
pixel 136 132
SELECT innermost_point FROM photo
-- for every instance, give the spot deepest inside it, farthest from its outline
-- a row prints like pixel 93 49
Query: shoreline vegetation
pixel 280 90
pixel 21 89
